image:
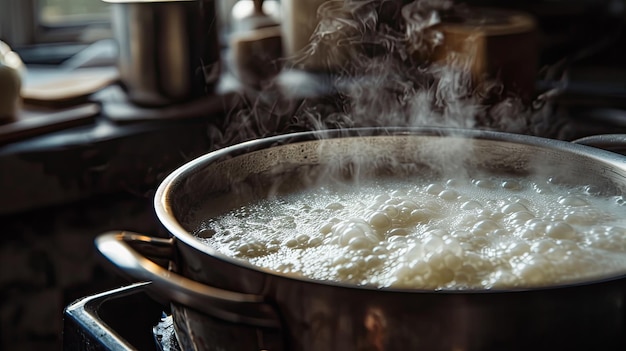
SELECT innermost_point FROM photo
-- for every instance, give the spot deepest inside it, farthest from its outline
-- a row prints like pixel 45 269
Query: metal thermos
pixel 168 49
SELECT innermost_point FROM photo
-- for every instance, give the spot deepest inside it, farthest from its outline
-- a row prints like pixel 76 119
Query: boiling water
pixel 449 234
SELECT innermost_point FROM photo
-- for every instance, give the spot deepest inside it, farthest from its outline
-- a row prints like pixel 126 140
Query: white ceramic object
pixel 11 69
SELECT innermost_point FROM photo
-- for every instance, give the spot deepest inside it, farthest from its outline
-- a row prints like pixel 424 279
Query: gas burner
pixel 164 335
pixel 121 319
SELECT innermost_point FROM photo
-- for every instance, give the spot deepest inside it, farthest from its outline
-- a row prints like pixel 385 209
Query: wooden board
pixel 32 122
pixel 68 88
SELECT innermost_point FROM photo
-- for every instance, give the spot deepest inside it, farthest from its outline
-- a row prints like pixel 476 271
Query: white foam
pixel 451 234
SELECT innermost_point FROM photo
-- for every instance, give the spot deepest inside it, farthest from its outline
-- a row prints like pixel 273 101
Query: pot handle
pixel 609 142
pixel 229 306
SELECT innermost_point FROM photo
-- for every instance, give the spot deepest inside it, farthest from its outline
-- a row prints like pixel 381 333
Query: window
pixel 28 22
pixel 71 12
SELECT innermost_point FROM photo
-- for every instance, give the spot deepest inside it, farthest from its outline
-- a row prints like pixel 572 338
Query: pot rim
pixel 166 216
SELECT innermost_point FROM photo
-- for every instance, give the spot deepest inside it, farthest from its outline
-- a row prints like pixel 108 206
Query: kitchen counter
pixel 121 148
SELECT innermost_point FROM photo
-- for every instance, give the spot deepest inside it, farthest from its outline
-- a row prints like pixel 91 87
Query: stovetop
pixel 126 318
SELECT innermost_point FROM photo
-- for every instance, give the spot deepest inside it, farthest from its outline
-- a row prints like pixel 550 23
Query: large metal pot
pixel 168 49
pixel 222 303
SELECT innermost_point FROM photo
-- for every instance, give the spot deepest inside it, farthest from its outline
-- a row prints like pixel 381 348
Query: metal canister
pixel 168 49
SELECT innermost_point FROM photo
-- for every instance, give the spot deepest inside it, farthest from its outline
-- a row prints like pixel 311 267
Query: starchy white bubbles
pixel 454 234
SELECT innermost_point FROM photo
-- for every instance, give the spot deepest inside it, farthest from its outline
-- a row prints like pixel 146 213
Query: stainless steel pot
pixel 168 49
pixel 222 303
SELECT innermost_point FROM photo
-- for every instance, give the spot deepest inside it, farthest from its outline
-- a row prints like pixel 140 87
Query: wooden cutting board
pixel 69 88
pixel 32 122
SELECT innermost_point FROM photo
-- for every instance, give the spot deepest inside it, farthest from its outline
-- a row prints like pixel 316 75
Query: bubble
pixel 340 260
pixel 408 205
pixel 398 232
pixel 335 206
pixel 380 250
pixel 360 242
pixel 436 260
pixel 593 190
pixel 433 206
pixel 555 254
pixel 453 246
pixel 528 233
pixel 485 226
pixel 537 224
pixel 449 194
pixel 381 198
pixel 461 235
pixel 453 262
pixel 519 248
pixel 519 199
pixel 421 215
pixel 327 228
pixel 469 270
pixel 291 243
pixel 446 275
pixel 332 240
pixel 393 201
pixel 561 230
pixel 398 193
pixel 479 242
pixel 207 233
pixel 471 205
pixel 519 218
pixel 475 263
pixel 511 185
pixel 303 238
pixel 434 189
pixel 484 183
pixel 373 261
pixel 453 182
pixel 391 211
pixel 379 220
pixel 572 200
pixel 567 245
pixel 542 189
pixel 396 245
pixel 313 242
pixel 348 234
pixel 542 246
pixel 514 208
pixel 578 218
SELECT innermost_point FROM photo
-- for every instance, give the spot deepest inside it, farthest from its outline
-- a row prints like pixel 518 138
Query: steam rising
pixel 373 70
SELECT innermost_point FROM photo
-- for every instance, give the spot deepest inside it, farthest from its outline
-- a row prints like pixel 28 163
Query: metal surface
pixel 610 142
pixel 168 50
pixel 319 315
pixel 86 326
pixel 229 306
